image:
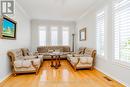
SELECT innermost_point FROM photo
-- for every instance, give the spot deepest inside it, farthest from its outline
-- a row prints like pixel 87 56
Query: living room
pixel 69 43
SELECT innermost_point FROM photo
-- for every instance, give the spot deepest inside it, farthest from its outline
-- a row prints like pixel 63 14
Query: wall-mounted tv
pixel 8 28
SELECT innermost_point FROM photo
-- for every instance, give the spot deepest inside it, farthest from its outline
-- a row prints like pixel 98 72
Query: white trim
pixel 116 61
pixel 1 80
pixel 108 74
pixel 98 13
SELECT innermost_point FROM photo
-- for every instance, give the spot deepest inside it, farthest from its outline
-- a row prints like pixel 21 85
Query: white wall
pixel 50 23
pixel 22 40
pixel 89 23
pixel 116 71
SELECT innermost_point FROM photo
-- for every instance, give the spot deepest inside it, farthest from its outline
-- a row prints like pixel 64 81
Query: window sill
pixel 122 64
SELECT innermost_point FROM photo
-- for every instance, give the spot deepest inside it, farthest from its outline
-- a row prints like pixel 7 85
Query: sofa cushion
pixel 22 63
pixel 50 50
pixel 78 55
pixel 30 57
pixel 17 54
pixel 59 50
pixel 85 60
pixel 26 63
pixel 36 62
pixel 89 51
pixel 40 56
pixel 34 57
pixel 44 49
pixel 73 60
pixel 18 63
pixel 69 55
pixel 81 50
pixel 25 51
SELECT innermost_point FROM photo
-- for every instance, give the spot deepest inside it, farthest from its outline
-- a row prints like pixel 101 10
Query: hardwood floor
pixel 65 76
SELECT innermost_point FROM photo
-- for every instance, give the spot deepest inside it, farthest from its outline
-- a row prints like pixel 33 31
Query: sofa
pixel 21 63
pixel 44 50
pixel 84 58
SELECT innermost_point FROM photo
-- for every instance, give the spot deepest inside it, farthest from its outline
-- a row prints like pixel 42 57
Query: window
pixel 121 15
pixel 42 36
pixel 54 36
pixel 100 19
pixel 65 36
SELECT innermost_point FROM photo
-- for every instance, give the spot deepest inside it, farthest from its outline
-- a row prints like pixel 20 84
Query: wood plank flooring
pixel 65 76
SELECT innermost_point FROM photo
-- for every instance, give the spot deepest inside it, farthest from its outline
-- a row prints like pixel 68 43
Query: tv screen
pixel 9 28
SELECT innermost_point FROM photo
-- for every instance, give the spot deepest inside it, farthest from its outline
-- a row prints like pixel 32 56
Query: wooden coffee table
pixel 55 57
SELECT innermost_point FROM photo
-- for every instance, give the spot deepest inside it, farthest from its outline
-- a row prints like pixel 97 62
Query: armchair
pixel 21 64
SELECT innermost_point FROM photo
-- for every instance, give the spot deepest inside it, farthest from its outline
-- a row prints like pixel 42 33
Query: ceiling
pixel 55 9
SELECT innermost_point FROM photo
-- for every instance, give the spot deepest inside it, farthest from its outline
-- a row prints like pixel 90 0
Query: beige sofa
pixel 84 58
pixel 43 50
pixel 23 64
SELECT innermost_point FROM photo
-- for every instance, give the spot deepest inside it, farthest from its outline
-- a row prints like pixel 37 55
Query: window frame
pixel 98 12
pixel 44 28
pixel 64 29
pixel 54 28
pixel 116 61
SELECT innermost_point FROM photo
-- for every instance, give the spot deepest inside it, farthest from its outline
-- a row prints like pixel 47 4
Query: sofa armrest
pixel 74 60
pixel 77 62
pixel 35 66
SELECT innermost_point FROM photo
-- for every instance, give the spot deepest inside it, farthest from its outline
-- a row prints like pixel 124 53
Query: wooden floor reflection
pixel 65 76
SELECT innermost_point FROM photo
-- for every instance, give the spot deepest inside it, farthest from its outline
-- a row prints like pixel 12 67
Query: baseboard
pixel 125 84
pixel 5 78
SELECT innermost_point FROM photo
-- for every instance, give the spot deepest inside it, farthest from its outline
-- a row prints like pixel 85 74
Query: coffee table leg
pixel 52 61
pixel 59 60
pixel 56 65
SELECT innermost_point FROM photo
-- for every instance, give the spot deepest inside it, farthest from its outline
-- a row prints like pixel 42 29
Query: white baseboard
pixel 1 80
pixel 125 84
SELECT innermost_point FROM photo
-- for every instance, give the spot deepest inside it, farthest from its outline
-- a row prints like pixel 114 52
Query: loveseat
pixel 44 50
pixel 22 63
pixel 84 58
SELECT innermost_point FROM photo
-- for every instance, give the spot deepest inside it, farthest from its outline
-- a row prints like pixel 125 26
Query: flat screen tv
pixel 8 28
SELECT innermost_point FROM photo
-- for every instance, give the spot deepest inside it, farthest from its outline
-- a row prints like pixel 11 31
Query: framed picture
pixel 82 34
pixel 7 28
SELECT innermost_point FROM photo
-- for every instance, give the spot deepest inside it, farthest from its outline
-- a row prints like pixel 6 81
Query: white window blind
pixel 42 36
pixel 54 36
pixel 65 36
pixel 100 19
pixel 121 14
